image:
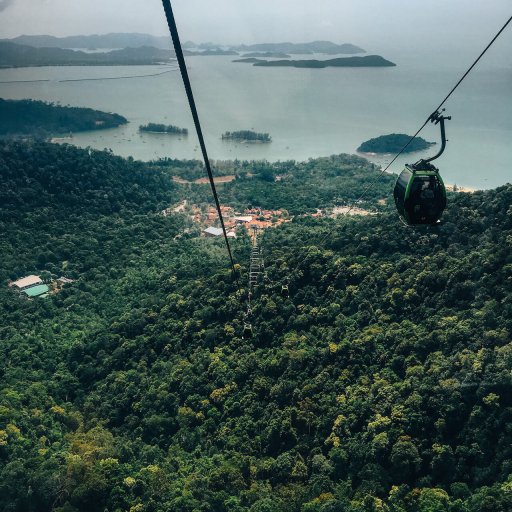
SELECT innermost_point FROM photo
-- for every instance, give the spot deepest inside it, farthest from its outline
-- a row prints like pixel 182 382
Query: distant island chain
pixel 143 49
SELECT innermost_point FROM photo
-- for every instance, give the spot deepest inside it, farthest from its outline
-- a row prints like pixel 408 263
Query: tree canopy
pixel 381 384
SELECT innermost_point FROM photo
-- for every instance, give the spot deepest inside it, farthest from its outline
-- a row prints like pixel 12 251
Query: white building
pixel 27 282
pixel 244 219
pixel 211 231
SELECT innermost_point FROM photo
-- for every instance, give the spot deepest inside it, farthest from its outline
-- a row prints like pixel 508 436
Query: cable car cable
pixel 188 88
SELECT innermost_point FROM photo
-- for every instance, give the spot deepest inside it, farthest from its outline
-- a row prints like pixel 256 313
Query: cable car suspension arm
pixel 438 118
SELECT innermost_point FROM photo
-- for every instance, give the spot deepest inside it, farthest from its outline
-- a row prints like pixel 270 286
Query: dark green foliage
pixel 31 117
pixel 163 128
pixel 394 143
pixel 247 136
pixel 381 384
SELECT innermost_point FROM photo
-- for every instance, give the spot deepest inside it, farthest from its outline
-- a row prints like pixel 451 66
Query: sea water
pixel 307 112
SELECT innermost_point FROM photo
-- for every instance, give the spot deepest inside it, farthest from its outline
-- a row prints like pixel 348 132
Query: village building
pixel 243 219
pixel 211 231
pixel 26 282
pixel 40 290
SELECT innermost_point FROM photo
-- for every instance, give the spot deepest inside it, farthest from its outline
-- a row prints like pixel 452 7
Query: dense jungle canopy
pixel 381 384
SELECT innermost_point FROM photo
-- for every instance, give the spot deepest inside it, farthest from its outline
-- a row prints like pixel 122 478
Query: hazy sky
pixel 372 24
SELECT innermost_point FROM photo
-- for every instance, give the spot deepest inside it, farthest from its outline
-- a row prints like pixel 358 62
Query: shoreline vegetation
pixel 244 136
pixel 393 143
pixel 41 119
pixel 162 128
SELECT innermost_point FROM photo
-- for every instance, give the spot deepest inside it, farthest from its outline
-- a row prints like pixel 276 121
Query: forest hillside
pixel 382 383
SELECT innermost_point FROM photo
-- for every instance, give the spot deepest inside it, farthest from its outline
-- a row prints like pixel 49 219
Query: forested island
pixel 37 118
pixel 380 384
pixel 349 62
pixel 163 128
pixel 247 136
pixel 393 143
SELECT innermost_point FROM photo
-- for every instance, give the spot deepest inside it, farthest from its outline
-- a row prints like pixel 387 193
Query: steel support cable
pixel 374 182
pixel 173 29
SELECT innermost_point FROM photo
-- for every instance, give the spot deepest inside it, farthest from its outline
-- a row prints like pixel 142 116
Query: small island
pixel 44 120
pixel 247 136
pixel 369 61
pixel 163 128
pixel 393 143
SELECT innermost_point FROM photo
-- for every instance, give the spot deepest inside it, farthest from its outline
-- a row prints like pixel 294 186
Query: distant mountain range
pixel 120 40
pixel 134 40
pixel 266 55
pixel 302 48
pixel 17 55
pixel 140 49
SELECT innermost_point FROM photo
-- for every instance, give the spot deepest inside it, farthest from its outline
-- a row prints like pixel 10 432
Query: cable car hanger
pixel 437 117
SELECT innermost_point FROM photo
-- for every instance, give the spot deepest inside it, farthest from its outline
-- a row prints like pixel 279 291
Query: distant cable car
pixel 420 194
pixel 247 331
pixel 285 292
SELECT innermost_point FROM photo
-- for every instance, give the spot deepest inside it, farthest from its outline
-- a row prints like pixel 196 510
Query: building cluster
pixel 248 219
pixel 34 286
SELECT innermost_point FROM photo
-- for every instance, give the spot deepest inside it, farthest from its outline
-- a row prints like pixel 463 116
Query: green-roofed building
pixel 37 291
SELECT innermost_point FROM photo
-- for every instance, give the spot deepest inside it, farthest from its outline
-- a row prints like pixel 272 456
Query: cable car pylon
pixel 255 268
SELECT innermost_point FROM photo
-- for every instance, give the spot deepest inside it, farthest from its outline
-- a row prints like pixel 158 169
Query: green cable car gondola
pixel 420 194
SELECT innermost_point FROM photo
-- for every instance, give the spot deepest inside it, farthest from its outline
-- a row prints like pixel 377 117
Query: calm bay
pixel 308 112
